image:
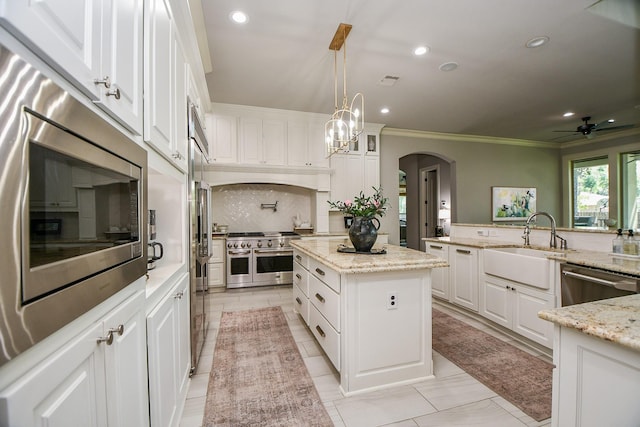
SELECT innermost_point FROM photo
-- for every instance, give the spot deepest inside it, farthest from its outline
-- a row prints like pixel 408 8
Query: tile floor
pixel 453 398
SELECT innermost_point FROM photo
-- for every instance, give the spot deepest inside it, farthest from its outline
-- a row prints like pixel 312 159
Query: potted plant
pixel 365 210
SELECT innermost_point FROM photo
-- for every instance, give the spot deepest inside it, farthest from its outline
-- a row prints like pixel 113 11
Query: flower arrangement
pixel 361 206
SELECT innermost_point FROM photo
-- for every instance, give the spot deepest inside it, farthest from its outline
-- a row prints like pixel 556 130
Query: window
pixel 590 192
pixel 630 172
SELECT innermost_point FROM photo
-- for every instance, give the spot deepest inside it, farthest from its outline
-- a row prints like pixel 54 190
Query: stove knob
pixel 235 245
pixel 248 244
pixel 242 245
pixel 281 244
pixel 259 244
pixel 269 244
pixel 229 245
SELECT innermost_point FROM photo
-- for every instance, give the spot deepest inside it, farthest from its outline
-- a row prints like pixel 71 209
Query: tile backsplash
pixel 239 206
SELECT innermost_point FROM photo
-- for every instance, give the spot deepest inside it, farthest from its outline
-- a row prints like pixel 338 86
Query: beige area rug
pixel 258 376
pixel 522 379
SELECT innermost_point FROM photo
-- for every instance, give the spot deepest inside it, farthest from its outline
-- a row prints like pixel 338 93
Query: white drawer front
pixel 301 259
pixel 325 300
pixel 324 273
pixel 300 278
pixel 301 304
pixel 327 337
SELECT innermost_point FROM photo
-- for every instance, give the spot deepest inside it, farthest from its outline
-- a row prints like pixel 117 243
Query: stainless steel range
pixel 259 259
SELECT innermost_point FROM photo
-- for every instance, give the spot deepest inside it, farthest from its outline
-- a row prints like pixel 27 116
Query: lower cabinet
pixel 439 276
pixel 516 306
pixel 458 283
pixel 97 379
pixel 217 272
pixel 169 354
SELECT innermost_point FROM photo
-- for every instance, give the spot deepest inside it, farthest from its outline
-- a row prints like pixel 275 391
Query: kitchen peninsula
pixel 370 313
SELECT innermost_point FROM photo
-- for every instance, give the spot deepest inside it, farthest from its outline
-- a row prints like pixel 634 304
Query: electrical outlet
pixel 392 301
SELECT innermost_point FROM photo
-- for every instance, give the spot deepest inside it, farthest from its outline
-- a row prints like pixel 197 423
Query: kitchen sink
pixel 524 265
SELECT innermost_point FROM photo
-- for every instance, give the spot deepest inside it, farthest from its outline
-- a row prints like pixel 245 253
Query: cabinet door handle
pixel 298 301
pixel 320 272
pixel 463 251
pixel 435 247
pixel 320 298
pixel 298 276
pixel 298 257
pixel 106 81
pixel 114 92
pixel 320 331
pixel 108 339
pixel 178 295
pixel 119 329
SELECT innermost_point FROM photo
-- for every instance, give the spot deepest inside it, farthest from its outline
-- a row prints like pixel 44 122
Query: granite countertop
pixel 615 319
pixel 602 260
pixel 397 258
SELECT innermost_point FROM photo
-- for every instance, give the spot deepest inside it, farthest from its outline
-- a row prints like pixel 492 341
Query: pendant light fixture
pixel 347 121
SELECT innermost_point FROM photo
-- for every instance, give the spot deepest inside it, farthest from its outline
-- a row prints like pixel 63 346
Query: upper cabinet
pixel 263 141
pixel 222 134
pixel 97 46
pixel 166 80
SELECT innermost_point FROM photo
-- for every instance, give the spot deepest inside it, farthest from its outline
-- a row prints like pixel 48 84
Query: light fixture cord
pixel 335 79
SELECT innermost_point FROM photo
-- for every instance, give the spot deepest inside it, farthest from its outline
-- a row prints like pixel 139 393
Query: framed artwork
pixel 512 203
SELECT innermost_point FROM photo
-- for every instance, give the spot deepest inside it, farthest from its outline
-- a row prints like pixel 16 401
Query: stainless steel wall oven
pixel 73 202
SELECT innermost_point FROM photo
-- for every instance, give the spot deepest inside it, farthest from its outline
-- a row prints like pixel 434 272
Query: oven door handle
pixel 276 252
pixel 244 252
pixel 622 284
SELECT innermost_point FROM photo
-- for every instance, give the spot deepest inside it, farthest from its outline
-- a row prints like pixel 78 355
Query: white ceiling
pixel 281 59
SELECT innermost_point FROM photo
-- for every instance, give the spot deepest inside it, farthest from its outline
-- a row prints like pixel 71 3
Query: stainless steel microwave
pixel 73 207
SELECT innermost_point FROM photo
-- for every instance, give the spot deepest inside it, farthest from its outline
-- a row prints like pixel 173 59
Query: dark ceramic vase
pixel 363 233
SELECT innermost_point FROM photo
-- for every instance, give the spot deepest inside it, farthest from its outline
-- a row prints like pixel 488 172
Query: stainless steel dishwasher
pixel 581 284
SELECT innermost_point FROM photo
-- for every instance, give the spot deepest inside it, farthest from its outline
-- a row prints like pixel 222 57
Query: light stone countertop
pixel 615 319
pixel 397 258
pixel 602 260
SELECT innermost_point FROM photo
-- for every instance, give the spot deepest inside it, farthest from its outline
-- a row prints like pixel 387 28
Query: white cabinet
pixel 305 143
pixel 97 379
pixel 168 353
pixel 159 42
pixel 301 285
pixel 595 382
pixel 263 141
pixel 439 276
pixel 88 42
pixel 458 283
pixel 216 265
pixel 464 276
pixel 515 306
pixel 222 133
pixel 180 142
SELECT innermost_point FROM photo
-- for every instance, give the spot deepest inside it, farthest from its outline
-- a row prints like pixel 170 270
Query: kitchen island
pixel 370 313
pixel 596 381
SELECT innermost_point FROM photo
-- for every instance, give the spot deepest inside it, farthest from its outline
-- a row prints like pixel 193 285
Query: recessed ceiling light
pixel 568 114
pixel 448 66
pixel 611 121
pixel 421 50
pixel 239 17
pixel 384 110
pixel 537 41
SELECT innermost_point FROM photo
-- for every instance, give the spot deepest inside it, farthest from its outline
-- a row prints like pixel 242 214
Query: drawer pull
pixel 298 301
pixel 435 247
pixel 320 298
pixel 463 251
pixel 298 276
pixel 320 331
pixel 298 257
pixel 320 272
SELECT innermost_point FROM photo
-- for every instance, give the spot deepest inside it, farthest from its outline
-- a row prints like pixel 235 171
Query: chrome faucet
pixel 554 237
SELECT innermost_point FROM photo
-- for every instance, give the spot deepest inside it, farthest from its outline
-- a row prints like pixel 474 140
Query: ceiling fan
pixel 587 128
